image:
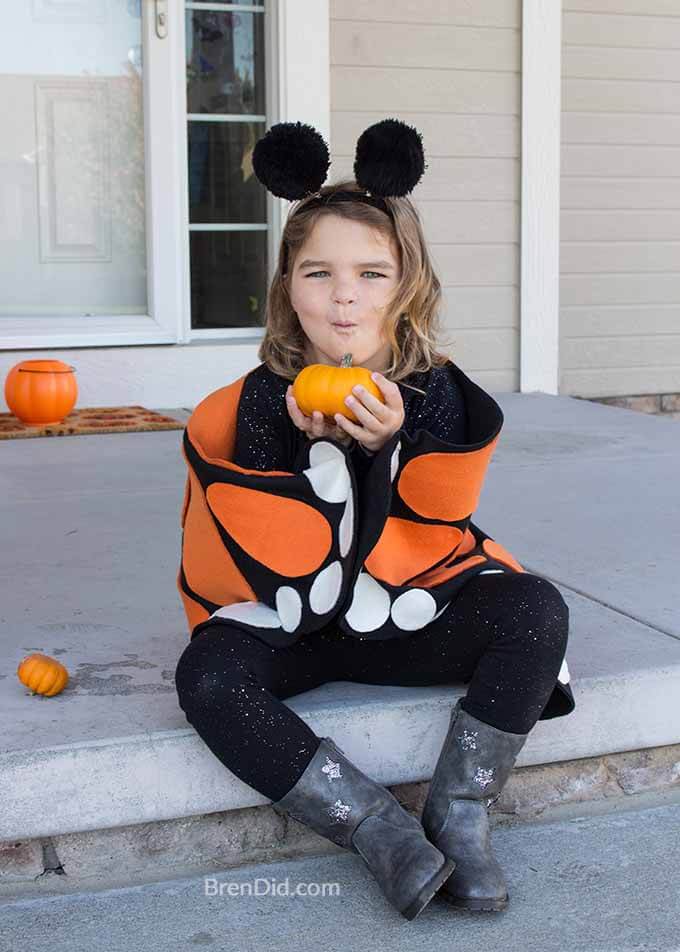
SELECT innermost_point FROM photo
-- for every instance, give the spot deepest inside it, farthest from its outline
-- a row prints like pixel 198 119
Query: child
pixel 318 550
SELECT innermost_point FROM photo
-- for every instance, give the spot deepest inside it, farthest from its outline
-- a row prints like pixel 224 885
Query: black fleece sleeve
pixel 441 411
pixel 262 425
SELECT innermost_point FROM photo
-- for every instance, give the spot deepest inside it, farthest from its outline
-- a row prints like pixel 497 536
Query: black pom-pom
pixel 291 160
pixel 389 158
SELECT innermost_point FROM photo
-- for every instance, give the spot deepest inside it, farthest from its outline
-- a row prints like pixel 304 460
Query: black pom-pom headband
pixel 292 160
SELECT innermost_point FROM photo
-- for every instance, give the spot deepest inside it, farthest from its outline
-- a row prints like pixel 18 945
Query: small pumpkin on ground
pixel 42 674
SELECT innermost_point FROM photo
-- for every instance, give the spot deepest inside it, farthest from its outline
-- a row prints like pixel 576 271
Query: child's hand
pixel 316 425
pixel 380 420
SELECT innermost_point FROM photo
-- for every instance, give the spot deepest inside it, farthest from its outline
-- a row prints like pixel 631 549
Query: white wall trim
pixel 176 375
pixel 540 209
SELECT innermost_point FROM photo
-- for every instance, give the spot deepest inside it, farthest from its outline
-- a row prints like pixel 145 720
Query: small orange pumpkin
pixel 42 674
pixel 323 387
pixel 41 392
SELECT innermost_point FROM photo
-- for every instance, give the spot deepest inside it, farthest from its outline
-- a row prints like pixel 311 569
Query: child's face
pixel 359 275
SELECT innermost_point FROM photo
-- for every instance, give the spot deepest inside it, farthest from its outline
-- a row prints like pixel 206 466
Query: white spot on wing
pixel 326 588
pixel 346 529
pixel 370 606
pixel 289 607
pixel 256 614
pixel 328 472
pixel 394 461
pixel 414 609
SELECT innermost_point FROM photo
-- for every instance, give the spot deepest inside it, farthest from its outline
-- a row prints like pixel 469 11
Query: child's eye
pixel 313 273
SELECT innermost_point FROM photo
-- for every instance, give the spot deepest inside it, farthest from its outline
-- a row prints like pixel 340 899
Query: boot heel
pixel 475 905
pixel 428 891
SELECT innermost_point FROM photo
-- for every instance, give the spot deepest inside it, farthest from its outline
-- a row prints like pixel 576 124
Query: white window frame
pixel 297 88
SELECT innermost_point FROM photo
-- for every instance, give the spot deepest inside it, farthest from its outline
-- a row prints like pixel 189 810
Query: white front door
pixel 91 219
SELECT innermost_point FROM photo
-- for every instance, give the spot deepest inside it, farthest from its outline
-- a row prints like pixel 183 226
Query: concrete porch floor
pixel 579 492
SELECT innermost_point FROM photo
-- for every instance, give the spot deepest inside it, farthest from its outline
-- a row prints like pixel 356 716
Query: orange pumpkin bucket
pixel 41 392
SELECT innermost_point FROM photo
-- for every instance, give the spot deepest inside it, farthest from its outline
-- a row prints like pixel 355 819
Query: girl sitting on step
pixel 321 549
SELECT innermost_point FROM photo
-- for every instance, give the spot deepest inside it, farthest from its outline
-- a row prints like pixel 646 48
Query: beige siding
pixel 620 198
pixel 451 69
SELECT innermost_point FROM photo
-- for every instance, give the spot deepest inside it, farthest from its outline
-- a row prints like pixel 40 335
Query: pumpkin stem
pixel 346 360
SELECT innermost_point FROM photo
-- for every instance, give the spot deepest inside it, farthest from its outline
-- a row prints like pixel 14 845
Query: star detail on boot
pixel 332 769
pixel 339 811
pixel 483 777
pixel 467 740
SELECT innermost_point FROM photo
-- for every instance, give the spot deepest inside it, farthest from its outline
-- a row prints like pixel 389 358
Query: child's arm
pixel 262 433
pixel 439 410
pixel 442 410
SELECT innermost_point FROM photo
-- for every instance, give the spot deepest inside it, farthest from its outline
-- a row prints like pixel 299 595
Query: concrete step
pixel 591 879
pixel 229 839
pixel 128 756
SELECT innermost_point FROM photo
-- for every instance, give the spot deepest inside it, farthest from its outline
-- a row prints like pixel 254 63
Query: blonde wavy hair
pixel 412 319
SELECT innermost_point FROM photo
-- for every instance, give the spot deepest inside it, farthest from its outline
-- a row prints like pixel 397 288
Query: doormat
pixel 91 420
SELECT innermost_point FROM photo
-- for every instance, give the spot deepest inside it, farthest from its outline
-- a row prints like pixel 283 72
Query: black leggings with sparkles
pixel 505 634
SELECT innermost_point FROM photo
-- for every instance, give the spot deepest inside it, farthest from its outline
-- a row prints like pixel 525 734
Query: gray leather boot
pixel 473 767
pixel 335 799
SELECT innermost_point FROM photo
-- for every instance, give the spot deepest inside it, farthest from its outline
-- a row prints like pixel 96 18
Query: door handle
pixel 161 18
